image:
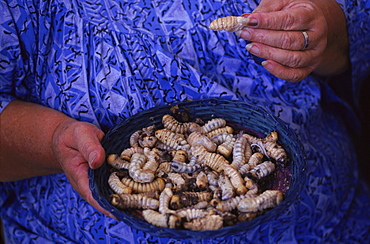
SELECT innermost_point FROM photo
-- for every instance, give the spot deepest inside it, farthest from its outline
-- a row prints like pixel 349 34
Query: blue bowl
pixel 254 118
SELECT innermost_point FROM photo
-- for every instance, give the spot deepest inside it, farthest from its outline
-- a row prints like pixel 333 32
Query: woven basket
pixel 256 119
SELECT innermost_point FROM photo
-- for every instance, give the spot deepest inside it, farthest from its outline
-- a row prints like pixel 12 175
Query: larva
pixel 229 23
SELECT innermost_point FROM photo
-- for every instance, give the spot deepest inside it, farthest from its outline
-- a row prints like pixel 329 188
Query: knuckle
pixel 287 41
pixel 294 60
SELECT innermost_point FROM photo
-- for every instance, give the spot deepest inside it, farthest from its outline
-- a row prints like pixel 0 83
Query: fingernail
pixel 92 157
pixel 267 65
pixel 252 21
pixel 253 49
pixel 237 33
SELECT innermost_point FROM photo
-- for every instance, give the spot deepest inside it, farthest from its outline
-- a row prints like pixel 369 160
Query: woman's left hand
pixel 297 37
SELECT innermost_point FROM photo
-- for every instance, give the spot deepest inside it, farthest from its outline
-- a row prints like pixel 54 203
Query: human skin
pixel 274 30
pixel 36 140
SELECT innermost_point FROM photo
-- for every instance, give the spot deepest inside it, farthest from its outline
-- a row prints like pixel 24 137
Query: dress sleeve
pixel 12 59
pixel 357 14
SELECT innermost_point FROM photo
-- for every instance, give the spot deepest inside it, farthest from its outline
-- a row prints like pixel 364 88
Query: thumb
pixel 87 138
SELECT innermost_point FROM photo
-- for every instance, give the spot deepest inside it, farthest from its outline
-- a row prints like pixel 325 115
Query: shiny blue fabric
pixel 101 61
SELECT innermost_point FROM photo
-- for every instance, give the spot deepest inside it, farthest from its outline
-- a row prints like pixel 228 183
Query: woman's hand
pixel 76 146
pixel 36 140
pixel 276 28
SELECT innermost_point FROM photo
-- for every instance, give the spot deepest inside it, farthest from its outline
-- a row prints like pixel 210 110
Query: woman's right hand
pixel 76 146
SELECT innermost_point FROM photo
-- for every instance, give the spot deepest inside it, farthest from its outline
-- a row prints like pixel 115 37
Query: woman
pixel 70 70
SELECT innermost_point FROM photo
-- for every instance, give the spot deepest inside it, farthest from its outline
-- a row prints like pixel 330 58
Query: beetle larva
pixel 195 138
pixel 161 220
pixel 209 222
pixel 226 129
pixel 225 142
pixel 172 139
pixel 170 123
pixel 230 204
pixel 127 153
pixel 116 162
pixel 153 160
pixel 226 187
pixel 255 159
pixel 139 201
pixel 164 201
pixel 229 23
pixel 213 160
pixel 156 185
pixel 213 124
pixel 184 167
pixel 201 180
pixel 177 180
pixel 192 213
pixel 262 170
pixel 116 184
pixel 135 169
pixel 236 179
pixel 268 199
pixel 269 146
pixel 239 149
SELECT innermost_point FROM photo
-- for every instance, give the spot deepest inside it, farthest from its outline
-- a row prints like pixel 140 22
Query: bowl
pixel 247 116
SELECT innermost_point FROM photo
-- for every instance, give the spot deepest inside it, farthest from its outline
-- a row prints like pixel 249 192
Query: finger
pixel 292 59
pixel 78 177
pixel 289 40
pixel 286 73
pixel 295 18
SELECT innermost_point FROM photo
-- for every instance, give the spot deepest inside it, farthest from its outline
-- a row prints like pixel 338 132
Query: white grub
pixel 201 180
pixel 255 159
pixel 196 138
pixel 177 180
pixel 212 177
pixel 209 222
pixel 213 124
pixel 138 201
pixel 226 187
pixel 192 213
pixel 230 204
pixel 161 220
pixel 184 167
pixel 268 199
pixel 236 179
pixel 127 153
pixel 153 160
pixel 251 185
pixel 170 123
pixel 157 185
pixel 213 160
pixel 229 23
pixel 116 185
pixel 173 140
pixel 134 138
pixel 269 146
pixel 164 201
pixel 227 129
pixel 239 158
pixel 136 171
pixel 225 142
pixel 116 162
pixel 262 170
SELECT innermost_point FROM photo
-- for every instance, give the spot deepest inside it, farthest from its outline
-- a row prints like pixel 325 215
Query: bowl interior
pixel 248 116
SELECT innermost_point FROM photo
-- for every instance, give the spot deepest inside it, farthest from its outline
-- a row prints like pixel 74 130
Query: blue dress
pixel 102 61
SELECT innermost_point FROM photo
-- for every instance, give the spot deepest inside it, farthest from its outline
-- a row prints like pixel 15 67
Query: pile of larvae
pixel 197 175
